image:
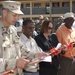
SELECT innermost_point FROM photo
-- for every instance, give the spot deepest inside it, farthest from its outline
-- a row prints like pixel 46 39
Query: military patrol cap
pixel 13 6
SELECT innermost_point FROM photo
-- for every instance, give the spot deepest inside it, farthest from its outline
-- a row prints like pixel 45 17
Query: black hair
pixel 26 21
pixel 69 22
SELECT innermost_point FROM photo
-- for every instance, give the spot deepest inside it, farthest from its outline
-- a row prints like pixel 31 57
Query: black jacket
pixel 46 45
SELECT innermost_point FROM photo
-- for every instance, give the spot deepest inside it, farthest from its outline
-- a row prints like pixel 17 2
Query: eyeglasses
pixel 50 28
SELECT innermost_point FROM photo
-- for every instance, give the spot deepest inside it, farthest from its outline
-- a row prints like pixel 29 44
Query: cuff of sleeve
pixel 10 64
pixel 2 65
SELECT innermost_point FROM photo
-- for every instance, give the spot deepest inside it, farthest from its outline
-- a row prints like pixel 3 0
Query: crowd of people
pixel 25 54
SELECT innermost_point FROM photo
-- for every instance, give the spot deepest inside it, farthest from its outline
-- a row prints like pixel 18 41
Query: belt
pixel 29 71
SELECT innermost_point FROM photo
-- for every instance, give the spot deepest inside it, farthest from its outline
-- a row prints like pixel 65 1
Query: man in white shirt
pixel 30 44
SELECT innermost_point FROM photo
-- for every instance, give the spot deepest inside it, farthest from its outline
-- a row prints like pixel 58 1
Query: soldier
pixel 60 22
pixel 10 55
pixel 38 25
pixel 10 45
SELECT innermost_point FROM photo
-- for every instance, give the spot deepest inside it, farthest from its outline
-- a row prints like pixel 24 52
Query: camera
pixel 63 52
pixel 73 44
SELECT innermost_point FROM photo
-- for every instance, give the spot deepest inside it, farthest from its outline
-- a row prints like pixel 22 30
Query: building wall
pixel 34 8
pixel 38 7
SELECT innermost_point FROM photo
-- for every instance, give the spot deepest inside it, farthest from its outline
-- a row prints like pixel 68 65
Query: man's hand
pixel 64 47
pixel 38 57
pixel 22 62
pixel 41 55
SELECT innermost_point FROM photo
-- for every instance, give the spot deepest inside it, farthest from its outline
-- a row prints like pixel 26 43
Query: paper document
pixel 47 59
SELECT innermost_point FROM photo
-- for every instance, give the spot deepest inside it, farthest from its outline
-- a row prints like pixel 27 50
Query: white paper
pixel 58 46
pixel 47 59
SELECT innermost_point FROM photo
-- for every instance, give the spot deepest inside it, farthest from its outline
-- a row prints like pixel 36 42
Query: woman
pixel 46 41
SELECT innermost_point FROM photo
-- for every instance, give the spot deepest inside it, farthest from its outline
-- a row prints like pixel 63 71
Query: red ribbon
pixel 11 71
pixel 52 51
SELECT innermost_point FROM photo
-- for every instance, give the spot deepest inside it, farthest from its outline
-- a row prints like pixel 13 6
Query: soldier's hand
pixel 41 55
pixel 22 62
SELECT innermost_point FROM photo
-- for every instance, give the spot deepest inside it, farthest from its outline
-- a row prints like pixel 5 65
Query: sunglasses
pixel 50 28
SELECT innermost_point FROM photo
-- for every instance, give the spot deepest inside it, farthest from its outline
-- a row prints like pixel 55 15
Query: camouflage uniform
pixel 10 47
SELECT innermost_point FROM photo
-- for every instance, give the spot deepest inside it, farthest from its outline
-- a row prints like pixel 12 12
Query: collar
pixel 70 30
pixel 24 37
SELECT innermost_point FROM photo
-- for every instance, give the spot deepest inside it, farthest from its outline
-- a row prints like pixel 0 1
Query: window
pixel 37 5
pixel 65 4
pixel 22 5
pixel 28 5
pixel 56 4
pixel 47 4
pixel 0 6
pixel 73 4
